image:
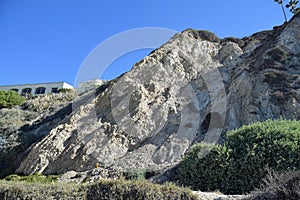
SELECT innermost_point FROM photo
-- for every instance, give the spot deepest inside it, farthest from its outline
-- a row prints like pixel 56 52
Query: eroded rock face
pixel 194 88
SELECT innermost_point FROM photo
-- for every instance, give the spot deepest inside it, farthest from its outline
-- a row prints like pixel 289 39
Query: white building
pixel 39 88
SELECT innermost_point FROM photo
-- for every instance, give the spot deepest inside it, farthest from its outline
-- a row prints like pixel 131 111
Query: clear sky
pixel 47 40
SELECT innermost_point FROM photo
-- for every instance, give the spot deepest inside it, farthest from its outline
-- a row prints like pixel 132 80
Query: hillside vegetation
pixel 103 190
pixel 239 165
pixel 263 155
pixel 9 99
pixel 17 124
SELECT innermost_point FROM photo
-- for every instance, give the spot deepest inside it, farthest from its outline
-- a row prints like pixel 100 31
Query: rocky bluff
pixel 193 88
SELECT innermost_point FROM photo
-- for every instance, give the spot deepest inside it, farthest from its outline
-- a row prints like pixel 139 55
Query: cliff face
pixel 193 88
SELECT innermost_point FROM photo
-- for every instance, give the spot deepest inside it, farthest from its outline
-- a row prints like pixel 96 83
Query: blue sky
pixel 45 41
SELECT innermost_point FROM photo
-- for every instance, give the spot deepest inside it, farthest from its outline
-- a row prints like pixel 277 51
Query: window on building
pixel 40 90
pixel 54 90
pixel 15 89
pixel 26 91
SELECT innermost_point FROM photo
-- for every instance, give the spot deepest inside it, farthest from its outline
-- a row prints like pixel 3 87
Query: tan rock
pixel 194 88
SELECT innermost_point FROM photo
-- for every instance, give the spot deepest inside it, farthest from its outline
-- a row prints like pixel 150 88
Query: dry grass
pixel 103 190
pixel 279 186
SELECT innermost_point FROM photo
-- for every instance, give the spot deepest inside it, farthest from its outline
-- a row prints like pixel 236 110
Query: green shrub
pixel 9 99
pixel 239 165
pixel 65 90
pixel 136 174
pixel 194 168
pixel 140 173
pixel 33 178
pixel 273 143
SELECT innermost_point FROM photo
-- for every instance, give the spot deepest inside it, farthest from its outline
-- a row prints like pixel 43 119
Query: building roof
pixel 35 84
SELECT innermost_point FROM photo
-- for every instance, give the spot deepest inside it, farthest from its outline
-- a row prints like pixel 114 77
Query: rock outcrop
pixel 193 88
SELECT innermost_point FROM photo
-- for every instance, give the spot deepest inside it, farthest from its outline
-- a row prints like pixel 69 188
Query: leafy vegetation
pixel 103 190
pixel 140 173
pixel 202 172
pixel 65 90
pixel 33 178
pixel 239 165
pixel 9 99
pixel 291 5
pixel 137 174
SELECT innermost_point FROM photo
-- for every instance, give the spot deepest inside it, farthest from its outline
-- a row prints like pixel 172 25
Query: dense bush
pixel 103 190
pixel 194 169
pixel 135 174
pixel 239 165
pixel 140 173
pixel 9 99
pixel 273 143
